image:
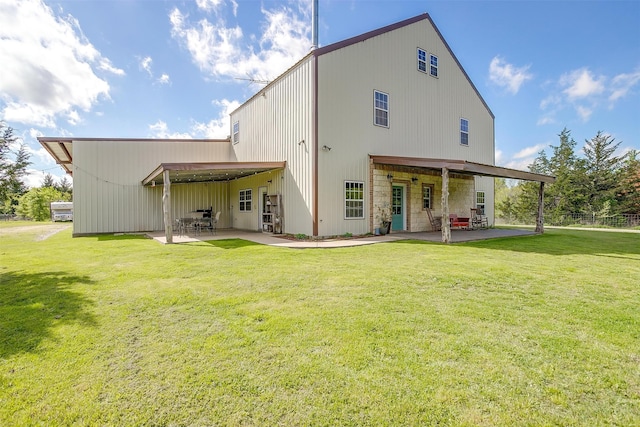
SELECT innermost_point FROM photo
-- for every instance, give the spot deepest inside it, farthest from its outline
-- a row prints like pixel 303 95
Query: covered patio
pixel 463 168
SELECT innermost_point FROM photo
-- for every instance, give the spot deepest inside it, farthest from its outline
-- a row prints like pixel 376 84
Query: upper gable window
pixel 433 70
pixel 236 132
pixel 464 132
pixel 422 60
pixel 380 108
pixel 427 61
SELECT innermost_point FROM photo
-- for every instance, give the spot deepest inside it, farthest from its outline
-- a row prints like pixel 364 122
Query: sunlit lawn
pixel 537 330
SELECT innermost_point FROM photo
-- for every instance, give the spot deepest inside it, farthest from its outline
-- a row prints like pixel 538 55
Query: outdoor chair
pixel 478 220
pixel 214 223
pixel 436 223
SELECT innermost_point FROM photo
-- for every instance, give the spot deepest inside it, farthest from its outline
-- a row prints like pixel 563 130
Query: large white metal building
pixel 385 122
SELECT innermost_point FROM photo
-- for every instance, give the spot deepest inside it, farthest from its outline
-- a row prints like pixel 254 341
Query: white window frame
pixel 352 204
pixel 381 108
pixel 464 132
pixel 427 202
pixel 245 198
pixel 422 61
pixel 481 202
pixel 433 68
pixel 236 132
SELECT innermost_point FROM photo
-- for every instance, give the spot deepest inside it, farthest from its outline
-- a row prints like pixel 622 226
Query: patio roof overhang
pixel 188 173
pixel 60 149
pixel 462 167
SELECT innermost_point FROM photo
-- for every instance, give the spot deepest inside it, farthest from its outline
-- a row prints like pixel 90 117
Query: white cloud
pixel 546 120
pixel 507 75
pixel 48 66
pixel 145 64
pixel 217 128
pixel 582 84
pixel 529 152
pixel 498 156
pixel 160 130
pixel 164 79
pixel 622 84
pixel 585 93
pixel 220 127
pixel 223 50
pixel 584 112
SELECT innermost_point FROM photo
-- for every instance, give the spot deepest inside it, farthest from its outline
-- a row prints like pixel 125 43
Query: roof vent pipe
pixel 314 25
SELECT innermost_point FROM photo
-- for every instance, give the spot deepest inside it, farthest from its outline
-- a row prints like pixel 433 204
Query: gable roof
pixel 425 16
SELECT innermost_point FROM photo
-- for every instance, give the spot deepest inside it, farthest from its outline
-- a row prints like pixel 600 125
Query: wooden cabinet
pixel 272 216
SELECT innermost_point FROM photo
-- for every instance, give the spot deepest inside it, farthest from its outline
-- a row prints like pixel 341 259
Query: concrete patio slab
pixel 457 236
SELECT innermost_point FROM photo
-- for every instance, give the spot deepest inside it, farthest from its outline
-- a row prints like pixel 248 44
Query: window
pixel 380 109
pixel 245 200
pixel 236 132
pixel 480 202
pixel 427 196
pixel 433 60
pixel 353 199
pixel 464 131
pixel 422 60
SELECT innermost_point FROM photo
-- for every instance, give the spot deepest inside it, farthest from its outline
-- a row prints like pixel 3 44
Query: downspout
pixel 314 112
pixel 314 106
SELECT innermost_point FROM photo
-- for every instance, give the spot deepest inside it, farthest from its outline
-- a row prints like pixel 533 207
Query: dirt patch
pixel 44 231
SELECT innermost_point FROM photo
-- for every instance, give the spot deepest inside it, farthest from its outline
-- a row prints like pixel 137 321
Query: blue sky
pixel 160 68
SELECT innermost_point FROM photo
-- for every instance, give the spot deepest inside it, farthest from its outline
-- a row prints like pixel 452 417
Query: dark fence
pixel 584 220
pixel 618 221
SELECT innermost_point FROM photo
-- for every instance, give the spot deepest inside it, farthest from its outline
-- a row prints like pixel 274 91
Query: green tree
pixel 628 195
pixel 602 173
pixel 48 181
pixel 13 169
pixel 35 203
pixel 64 186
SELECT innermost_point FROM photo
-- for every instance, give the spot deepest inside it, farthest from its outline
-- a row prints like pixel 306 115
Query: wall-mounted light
pixel 389 177
pixel 414 179
pixel 326 148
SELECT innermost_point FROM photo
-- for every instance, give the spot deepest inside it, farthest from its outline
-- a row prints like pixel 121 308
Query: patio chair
pixel 478 220
pixel 436 223
pixel 214 223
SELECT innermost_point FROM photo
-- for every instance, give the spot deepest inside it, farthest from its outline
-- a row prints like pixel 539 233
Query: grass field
pixel 537 330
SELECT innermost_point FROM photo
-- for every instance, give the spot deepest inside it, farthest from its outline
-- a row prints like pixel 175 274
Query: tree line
pixel 15 197
pixel 598 184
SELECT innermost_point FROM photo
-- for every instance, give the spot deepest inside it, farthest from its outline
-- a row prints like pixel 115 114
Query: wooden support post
pixel 540 215
pixel 446 227
pixel 166 207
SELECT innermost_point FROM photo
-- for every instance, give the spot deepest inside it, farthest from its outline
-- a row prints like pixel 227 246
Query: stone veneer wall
pixel 461 194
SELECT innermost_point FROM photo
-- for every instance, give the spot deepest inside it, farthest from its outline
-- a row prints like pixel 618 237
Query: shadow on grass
pixel 231 243
pixel 33 303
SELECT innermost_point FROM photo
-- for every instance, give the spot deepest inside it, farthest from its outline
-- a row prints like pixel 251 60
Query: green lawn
pixel 537 330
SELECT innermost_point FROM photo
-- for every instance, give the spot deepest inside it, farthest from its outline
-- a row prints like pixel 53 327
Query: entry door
pixel 397 208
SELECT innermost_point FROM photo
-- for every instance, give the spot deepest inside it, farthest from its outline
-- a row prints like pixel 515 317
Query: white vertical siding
pixel 277 125
pixel 424 114
pixel 487 184
pixel 250 220
pixel 108 194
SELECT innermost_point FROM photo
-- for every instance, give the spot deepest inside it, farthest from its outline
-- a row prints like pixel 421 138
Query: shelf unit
pixel 272 216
